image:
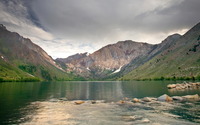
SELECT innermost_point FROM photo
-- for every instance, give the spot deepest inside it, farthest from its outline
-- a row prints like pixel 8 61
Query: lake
pixel 53 103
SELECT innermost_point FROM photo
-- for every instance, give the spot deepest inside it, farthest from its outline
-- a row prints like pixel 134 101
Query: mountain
pixel 181 60
pixel 63 61
pixel 107 60
pixel 23 60
pixel 175 57
pixel 114 60
pixel 157 49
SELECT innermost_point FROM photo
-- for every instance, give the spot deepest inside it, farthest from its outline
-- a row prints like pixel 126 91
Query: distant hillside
pixel 22 60
pixel 181 60
pixel 157 49
pixel 107 60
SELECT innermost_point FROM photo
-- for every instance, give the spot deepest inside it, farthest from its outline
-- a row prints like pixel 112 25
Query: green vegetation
pixel 180 62
pixel 45 74
pixel 165 78
pixel 9 73
pixel 22 60
pixel 28 68
pixel 27 73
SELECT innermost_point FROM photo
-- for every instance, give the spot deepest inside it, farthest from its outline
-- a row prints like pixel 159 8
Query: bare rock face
pixel 18 47
pixel 72 58
pixel 117 55
pixel 107 60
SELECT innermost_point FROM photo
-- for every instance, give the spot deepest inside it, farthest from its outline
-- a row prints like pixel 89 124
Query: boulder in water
pixel 121 102
pixel 171 86
pixel 147 99
pixel 165 97
pixel 135 100
pixel 79 102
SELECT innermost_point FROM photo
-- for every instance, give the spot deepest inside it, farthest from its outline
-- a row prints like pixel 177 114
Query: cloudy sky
pixel 66 27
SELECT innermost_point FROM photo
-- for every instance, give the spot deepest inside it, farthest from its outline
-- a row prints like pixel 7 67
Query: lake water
pixel 53 103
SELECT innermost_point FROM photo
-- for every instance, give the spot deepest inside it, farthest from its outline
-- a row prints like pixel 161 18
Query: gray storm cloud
pixel 74 26
pixel 100 18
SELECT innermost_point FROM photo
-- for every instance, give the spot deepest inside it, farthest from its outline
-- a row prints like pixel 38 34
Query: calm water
pixel 42 103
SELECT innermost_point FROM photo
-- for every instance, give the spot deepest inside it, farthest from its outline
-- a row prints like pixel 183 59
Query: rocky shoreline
pixel 162 98
pixel 147 110
pixel 165 98
pixel 139 110
pixel 184 85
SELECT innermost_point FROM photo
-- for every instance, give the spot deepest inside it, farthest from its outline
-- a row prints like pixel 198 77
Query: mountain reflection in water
pixel 53 103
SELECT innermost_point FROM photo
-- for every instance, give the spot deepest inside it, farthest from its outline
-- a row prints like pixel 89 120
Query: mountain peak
pixel 172 38
pixel 125 41
pixel 2 26
pixel 194 29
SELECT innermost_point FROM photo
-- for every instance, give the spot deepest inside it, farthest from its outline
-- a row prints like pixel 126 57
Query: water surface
pixel 53 103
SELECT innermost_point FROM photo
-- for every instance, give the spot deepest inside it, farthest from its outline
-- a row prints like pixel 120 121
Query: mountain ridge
pixel 124 60
pixel 108 59
pixel 108 62
pixel 27 58
pixel 115 60
pixel 180 61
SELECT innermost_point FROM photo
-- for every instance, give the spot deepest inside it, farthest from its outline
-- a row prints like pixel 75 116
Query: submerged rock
pixel 145 120
pixel 165 97
pixel 131 118
pixel 121 102
pixel 191 97
pixel 63 99
pixel 53 100
pixel 177 98
pixel 93 102
pixel 125 98
pixel 135 100
pixel 147 99
pixel 79 102
pixel 170 86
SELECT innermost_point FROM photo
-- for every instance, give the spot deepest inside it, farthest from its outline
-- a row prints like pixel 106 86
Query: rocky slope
pixel 107 60
pixel 157 49
pixel 181 60
pixel 22 55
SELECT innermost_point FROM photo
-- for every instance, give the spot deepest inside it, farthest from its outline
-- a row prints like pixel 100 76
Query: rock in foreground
pixel 165 97
pixel 79 102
